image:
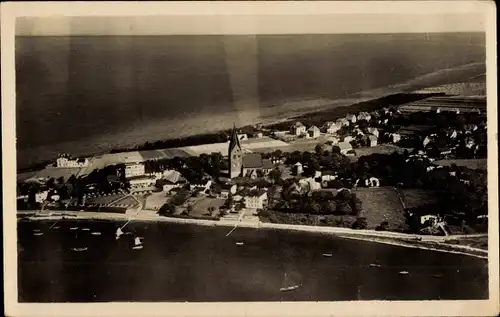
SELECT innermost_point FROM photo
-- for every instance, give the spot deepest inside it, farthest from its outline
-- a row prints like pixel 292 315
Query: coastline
pixel 432 243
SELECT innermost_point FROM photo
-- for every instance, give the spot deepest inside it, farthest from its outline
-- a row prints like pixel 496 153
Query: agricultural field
pixel 472 163
pixel 200 208
pixel 379 149
pixel 53 172
pixel 155 201
pixel 128 201
pixel 104 200
pixel 414 198
pixel 381 204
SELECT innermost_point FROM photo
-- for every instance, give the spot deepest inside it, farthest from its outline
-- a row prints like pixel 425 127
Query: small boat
pixel 239 243
pixel 38 233
pixel 137 244
pixel 86 229
pixel 95 233
pixel 437 275
pixel 56 227
pixel 73 228
pixel 79 249
pixel 328 255
pixel 118 233
pixel 374 265
pixel 404 272
pixel 288 286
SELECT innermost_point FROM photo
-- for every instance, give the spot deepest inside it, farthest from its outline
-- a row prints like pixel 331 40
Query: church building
pixel 245 165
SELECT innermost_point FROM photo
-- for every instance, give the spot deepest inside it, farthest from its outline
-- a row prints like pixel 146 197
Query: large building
pixel 134 170
pixel 65 160
pixel 248 165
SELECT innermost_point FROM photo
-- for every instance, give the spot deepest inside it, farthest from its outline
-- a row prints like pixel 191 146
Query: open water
pixel 194 263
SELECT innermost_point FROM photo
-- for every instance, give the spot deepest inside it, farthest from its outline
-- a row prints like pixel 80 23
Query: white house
pixel 344 147
pixel 65 160
pixel 313 132
pixel 256 199
pixel 342 122
pixel 309 184
pixel 168 186
pixel 134 170
pixel 259 135
pixel 298 168
pixel 433 219
pixel 395 137
pixel 172 180
pixel 41 196
pixel 333 127
pixel 372 140
pixel 298 129
pixel 142 181
pixel 351 118
pixel 372 182
pixel 364 116
pixel 373 131
pixel 202 183
pixel 348 139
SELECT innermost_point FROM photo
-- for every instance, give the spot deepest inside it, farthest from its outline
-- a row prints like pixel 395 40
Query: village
pixel 394 169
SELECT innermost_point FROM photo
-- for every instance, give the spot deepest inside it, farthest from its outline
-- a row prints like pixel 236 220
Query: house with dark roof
pixel 254 163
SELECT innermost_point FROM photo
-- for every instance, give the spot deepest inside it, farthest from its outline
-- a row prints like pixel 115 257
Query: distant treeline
pixel 208 138
pixel 320 117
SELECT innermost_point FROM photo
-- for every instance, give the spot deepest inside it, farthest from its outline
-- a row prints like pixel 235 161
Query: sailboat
pixel 137 244
pixel 288 286
pixel 118 233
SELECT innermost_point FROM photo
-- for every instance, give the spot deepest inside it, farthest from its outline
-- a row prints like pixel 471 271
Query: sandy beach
pixel 434 243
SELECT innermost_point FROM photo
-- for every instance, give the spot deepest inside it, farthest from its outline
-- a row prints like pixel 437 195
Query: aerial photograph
pixel 348 166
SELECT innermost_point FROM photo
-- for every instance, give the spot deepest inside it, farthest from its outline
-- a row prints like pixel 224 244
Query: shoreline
pixel 431 243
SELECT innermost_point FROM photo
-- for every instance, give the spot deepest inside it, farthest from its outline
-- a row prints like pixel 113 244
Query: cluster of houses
pixel 65 160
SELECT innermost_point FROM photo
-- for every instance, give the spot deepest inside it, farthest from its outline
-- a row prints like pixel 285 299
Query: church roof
pixel 252 160
pixel 234 141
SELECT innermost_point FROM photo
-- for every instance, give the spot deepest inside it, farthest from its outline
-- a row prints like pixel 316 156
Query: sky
pixel 250 24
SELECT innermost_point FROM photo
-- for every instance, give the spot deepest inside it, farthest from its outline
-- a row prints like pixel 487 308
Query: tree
pixel 356 205
pixel 343 208
pixel 330 207
pixel 189 209
pixel 360 223
pixel 318 149
pixel 335 149
pixel 275 175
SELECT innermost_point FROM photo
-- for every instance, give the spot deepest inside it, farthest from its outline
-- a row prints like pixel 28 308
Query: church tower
pixel 235 155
